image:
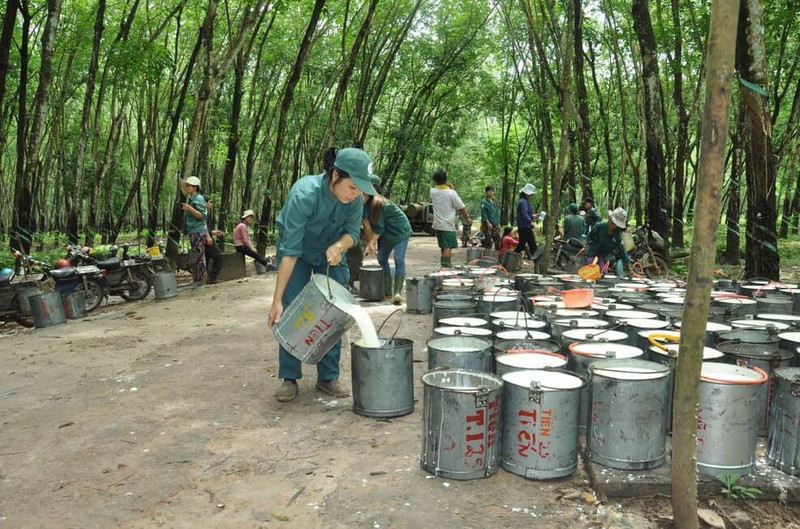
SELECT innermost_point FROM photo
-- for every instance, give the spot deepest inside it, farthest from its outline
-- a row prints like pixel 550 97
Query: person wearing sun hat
pixel 319 222
pixel 605 240
pixel 241 237
pixel 194 219
pixel 525 220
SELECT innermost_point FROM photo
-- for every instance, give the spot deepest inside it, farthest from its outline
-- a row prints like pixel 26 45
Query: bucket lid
pixel 755 351
pixel 711 326
pixel 789 318
pixel 789 373
pixel 511 315
pixel 630 315
pixel 608 305
pixel 547 380
pixel 759 324
pixel 522 334
pixel 750 336
pixel 532 360
pixel 734 301
pixel 463 321
pixel 793 337
pixel 673 300
pixel 671 350
pixel 519 324
pixel 583 335
pixel 717 373
pixel 462 380
pixel 634 286
pixel 463 331
pixel 584 323
pixel 460 282
pixel 576 313
pixel 605 350
pixel 629 369
pixel 459 344
pixel 648 324
pixel 498 298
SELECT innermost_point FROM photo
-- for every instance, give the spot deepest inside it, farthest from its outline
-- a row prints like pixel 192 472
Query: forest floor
pixel 161 414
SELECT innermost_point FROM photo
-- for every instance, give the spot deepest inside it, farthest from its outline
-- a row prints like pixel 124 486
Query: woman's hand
pixel 186 207
pixel 275 313
pixel 334 254
pixel 372 248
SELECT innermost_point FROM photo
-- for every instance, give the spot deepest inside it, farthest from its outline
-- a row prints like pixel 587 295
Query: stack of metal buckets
pixel 516 376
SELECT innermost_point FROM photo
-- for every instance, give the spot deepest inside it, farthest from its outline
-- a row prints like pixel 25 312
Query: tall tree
pixel 583 118
pixel 761 241
pixel 679 192
pixel 651 87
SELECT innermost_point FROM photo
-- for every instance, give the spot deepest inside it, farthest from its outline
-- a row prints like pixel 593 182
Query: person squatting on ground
pixel 605 240
pixel 510 240
pixel 320 220
pixel 446 203
pixel 525 221
pixel 194 219
pixel 241 237
pixel 490 220
pixel 573 223
pixel 388 230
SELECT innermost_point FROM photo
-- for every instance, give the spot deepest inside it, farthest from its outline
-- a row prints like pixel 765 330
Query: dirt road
pixel 161 414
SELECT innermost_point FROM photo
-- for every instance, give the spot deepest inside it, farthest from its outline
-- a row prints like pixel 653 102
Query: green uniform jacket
pixel 603 244
pixel 392 224
pixel 573 227
pixel 195 225
pixel 312 219
pixel 490 212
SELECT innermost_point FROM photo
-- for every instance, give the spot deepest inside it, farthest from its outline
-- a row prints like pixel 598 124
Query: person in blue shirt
pixel 525 220
pixel 319 222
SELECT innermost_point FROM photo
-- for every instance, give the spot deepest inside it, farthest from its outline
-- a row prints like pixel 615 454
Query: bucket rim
pixel 539 375
pixel 743 370
pixel 641 369
pixel 574 348
pixel 444 372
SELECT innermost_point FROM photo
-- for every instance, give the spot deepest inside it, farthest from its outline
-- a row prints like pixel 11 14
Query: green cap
pixel 573 207
pixel 358 165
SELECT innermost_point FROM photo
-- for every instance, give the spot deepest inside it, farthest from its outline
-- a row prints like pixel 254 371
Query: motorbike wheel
pixel 95 292
pixel 136 287
pixel 656 267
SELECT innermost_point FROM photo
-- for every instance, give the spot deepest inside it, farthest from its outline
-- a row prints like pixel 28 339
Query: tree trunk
pixel 733 239
pixel 761 251
pixel 286 103
pixel 583 121
pixel 683 131
pixel 27 187
pixel 651 82
pixel 6 37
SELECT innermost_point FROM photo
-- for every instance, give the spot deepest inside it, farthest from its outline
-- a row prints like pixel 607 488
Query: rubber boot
pixel 387 285
pixel 398 289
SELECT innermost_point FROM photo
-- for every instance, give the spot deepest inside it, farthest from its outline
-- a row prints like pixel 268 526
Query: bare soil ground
pixel 161 414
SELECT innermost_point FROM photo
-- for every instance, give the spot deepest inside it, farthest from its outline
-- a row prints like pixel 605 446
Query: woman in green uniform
pixel 320 220
pixel 387 229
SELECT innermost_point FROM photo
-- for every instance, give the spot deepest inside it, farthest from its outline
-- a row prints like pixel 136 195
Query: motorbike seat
pixel 109 264
pixel 6 275
pixel 575 243
pixel 64 273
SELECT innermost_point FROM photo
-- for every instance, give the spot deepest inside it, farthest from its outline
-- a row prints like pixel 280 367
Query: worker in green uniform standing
pixel 320 220
pixel 605 240
pixel 388 230
pixel 573 223
pixel 490 220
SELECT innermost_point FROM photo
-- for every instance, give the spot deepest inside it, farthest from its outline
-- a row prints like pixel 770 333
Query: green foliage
pixel 733 490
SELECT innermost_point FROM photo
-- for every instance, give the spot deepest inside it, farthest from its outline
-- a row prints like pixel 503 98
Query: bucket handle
pixel 653 339
pixel 387 319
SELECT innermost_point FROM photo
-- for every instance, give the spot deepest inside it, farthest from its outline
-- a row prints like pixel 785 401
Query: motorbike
pixel 650 250
pixel 126 277
pixel 564 255
pixel 67 279
pixel 10 302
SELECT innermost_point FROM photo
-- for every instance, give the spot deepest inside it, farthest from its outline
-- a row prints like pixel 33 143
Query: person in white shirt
pixel 446 203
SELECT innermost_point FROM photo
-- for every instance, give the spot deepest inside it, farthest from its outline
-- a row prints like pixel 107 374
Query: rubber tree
pixel 761 239
pixel 721 43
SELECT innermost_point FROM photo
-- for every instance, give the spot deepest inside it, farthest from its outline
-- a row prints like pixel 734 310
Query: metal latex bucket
pixel 47 309
pixel 510 324
pixel 74 305
pixel 559 326
pixel 512 261
pixel 633 327
pixel 383 378
pixel 521 334
pixel 460 352
pixel 490 258
pixel 783 438
pixel 316 319
pixel 474 254
pixel 727 418
pixel 419 295
pixel 496 302
pixel 592 335
pixel 737 307
pixel 165 285
pixel 461 423
pixel 525 345
pixel 775 326
pixel 370 283
pixel 790 341
pixel 477 332
pixel 464 321
pixel 540 423
pixel 452 305
pixel 628 426
pixel 791 319
pixel 23 296
pixel 458 284
pixel 511 315
pixel 766 357
pixel 583 354
pixel 776 305
pixel 713 330
pixel 765 336
pixel 615 316
pixel 522 360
